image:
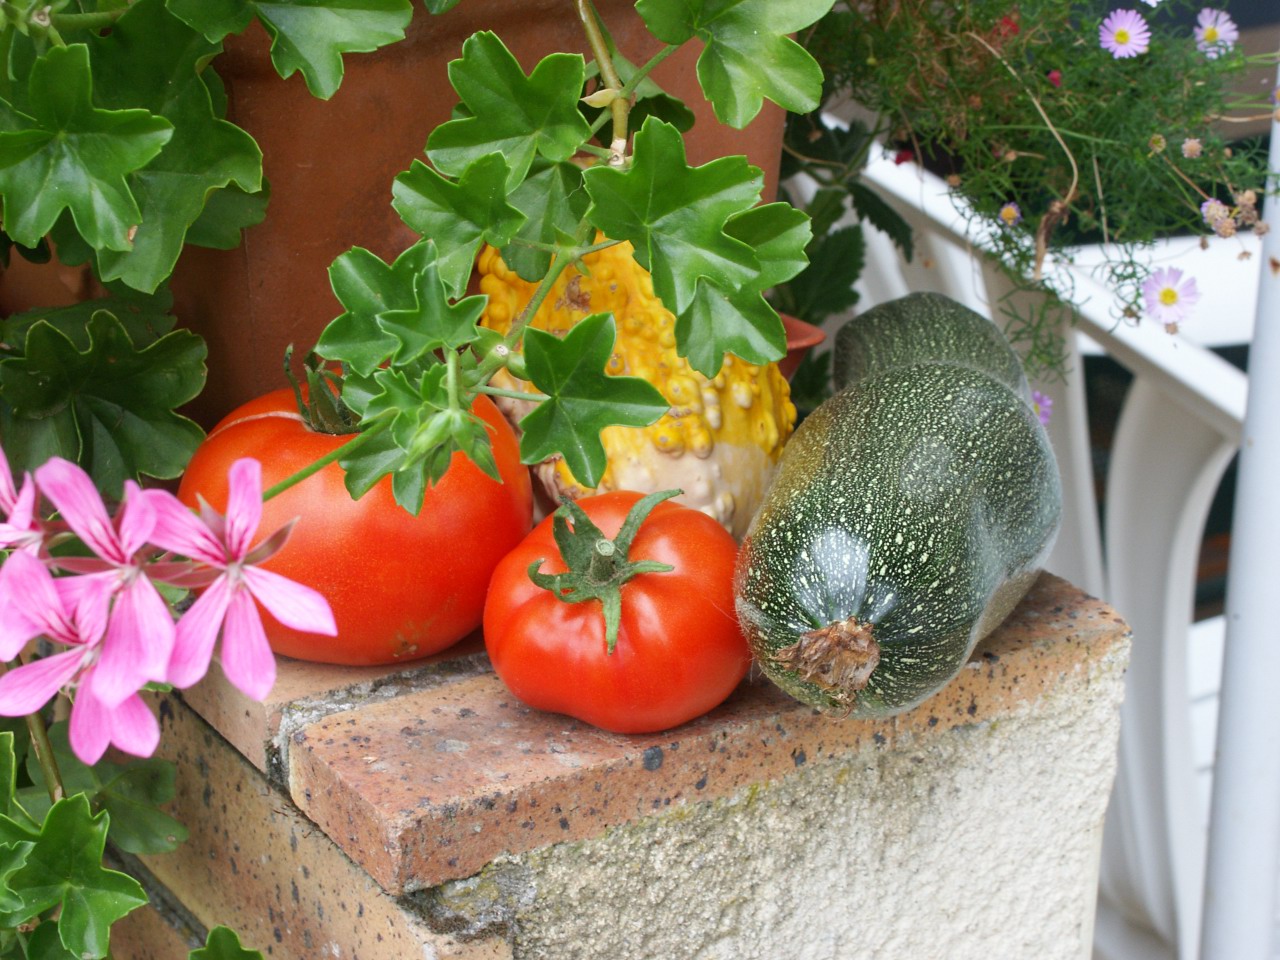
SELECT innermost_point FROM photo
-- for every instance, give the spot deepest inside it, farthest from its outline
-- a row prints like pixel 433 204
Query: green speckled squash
pixel 910 513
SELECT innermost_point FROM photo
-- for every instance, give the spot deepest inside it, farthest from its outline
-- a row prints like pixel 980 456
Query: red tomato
pixel 679 651
pixel 401 587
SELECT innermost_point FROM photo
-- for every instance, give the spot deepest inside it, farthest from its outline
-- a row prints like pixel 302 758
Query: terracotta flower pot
pixel 801 338
pixel 331 166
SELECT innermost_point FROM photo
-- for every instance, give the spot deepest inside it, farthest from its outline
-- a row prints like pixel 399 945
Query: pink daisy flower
pixel 1168 297
pixel 1124 34
pixel 1216 32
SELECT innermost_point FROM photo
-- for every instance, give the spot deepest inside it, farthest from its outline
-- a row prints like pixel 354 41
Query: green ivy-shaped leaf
pixel 432 323
pixel 740 321
pixel 748 56
pixel 154 60
pixel 110 407
pixel 458 215
pixel 64 869
pixel 674 214
pixel 553 203
pixel 519 116
pixel 306 35
pixel 367 287
pixel 581 398
pixel 223 943
pixel 425 431
pixel 68 154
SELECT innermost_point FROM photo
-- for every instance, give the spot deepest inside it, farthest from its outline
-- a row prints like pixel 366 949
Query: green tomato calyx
pixel 598 566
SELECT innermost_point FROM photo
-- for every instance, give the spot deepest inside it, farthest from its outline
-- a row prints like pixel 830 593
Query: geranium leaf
pixel 306 35
pixel 740 321
pixel 553 202
pixel 65 869
pixel 44 944
pixel 366 286
pixel 145 318
pixel 131 793
pixel 158 60
pixel 223 943
pixel 520 117
pixel 722 321
pixel 424 434
pixel 432 322
pixel 748 56
pixel 458 215
pixel 779 234
pixel 581 398
pixel 110 406
pixel 70 155
pixel 674 215
pixel 226 213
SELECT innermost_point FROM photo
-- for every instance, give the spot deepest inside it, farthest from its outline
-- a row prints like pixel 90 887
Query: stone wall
pixel 423 812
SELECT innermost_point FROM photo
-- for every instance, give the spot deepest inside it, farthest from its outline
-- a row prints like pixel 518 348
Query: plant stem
pixel 44 750
pixel 558 265
pixel 621 106
pixel 355 443
pixel 510 394
pixel 88 21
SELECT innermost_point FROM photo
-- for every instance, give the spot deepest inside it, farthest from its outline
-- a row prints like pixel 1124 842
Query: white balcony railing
pixel 1181 424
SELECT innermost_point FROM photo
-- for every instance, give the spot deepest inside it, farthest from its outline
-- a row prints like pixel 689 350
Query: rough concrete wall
pixel 980 842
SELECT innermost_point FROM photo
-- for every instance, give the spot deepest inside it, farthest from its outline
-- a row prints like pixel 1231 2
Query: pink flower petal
pixel 247 659
pixel 290 602
pixel 137 518
pixel 22 530
pixel 196 634
pixel 71 491
pixel 134 728
pixel 244 504
pixel 31 595
pixel 182 531
pixel 88 598
pixel 7 493
pixel 27 688
pixel 138 642
pixel 90 727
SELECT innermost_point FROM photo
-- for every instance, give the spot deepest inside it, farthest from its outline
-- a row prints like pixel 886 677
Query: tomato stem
pixel 355 443
pixel 598 566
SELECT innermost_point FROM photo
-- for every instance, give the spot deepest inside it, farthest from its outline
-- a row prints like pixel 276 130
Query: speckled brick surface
pixel 304 691
pixel 253 863
pixel 435 783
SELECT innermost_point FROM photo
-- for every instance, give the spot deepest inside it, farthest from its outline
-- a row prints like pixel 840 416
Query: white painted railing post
pixel 1244 832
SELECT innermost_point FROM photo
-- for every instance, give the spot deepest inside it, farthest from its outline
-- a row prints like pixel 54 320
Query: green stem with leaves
pixel 374 428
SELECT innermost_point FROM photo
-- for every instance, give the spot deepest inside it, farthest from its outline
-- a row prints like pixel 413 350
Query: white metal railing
pixel 1181 425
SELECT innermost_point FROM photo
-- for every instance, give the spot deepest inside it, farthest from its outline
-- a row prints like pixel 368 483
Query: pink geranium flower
pixel 71 612
pixel 21 528
pixel 140 633
pixel 228 605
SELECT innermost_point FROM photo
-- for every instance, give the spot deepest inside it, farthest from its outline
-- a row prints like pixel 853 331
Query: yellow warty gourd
pixel 722 437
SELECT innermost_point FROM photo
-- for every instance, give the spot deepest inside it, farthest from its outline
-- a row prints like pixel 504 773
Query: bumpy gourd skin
pixel 721 439
pixel 920 501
